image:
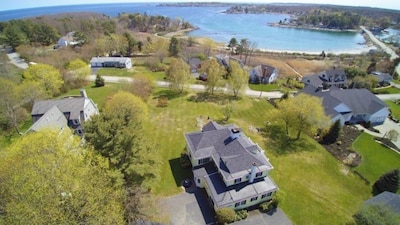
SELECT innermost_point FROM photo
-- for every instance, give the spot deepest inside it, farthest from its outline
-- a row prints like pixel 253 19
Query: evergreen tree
pixel 333 133
pixel 389 181
pixel 174 47
pixel 99 82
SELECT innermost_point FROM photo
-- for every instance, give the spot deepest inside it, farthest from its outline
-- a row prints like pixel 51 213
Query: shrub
pixel 266 206
pixel 242 214
pixel 226 215
pixel 185 161
pixel 162 102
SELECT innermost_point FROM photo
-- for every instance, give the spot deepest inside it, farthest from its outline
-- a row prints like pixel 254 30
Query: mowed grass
pixel 98 94
pixel 387 90
pixel 117 72
pixel 319 189
pixel 376 159
pixel 394 108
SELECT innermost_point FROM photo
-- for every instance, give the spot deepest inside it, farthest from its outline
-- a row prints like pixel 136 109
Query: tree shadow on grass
pixel 179 172
pixel 169 94
pixel 280 143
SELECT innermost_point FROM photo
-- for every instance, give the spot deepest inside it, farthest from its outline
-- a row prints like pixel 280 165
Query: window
pixel 237 204
pixel 238 180
pixel 266 195
pixel 263 196
pixel 269 194
pixel 254 199
pixel 240 203
pixel 203 161
pixel 259 174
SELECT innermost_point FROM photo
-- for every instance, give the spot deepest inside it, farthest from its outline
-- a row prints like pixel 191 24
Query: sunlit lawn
pixel 387 90
pixel 376 159
pixel 319 189
pixel 276 86
pixel 394 108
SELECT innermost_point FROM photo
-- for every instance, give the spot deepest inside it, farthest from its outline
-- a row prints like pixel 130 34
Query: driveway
pixel 16 60
pixel 192 207
pixel 383 129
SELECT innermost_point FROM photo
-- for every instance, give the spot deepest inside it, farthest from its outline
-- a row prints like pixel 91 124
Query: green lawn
pixel 319 189
pixel 276 86
pixel 394 108
pixel 376 159
pixel 117 72
pixel 387 90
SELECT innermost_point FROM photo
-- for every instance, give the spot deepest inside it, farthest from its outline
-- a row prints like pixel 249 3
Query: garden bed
pixel 342 148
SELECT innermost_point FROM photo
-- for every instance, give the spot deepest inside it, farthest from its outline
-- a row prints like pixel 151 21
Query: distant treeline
pixel 332 16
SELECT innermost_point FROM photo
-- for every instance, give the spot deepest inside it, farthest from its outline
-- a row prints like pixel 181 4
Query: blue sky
pixel 18 4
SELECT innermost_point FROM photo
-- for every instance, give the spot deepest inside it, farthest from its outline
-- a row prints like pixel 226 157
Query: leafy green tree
pixel 375 215
pixel 178 74
pixel 332 135
pixel 10 109
pixel 303 113
pixel 48 76
pixel 99 81
pixel 389 181
pixel 174 47
pixel 117 134
pixel 48 178
pixel 226 215
pixel 80 70
pixel 12 36
pixel 352 72
pixel 80 37
pixel 214 72
pixel 29 92
pixel 141 86
pixel 238 79
pixel 130 43
pixel 369 82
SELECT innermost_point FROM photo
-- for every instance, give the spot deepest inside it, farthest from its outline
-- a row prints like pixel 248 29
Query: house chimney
pixel 83 93
pixel 235 133
pixel 253 172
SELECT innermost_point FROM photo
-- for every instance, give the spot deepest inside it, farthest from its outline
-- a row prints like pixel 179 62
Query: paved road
pixel 196 87
pixel 16 60
pixel 383 46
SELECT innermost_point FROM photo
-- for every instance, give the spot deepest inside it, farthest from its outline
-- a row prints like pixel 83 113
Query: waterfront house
pixel 350 106
pixel 263 74
pixel 118 62
pixel 384 79
pixel 232 169
pixel 68 39
pixel 76 110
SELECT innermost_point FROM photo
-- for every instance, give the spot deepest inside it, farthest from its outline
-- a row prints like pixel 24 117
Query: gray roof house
pixel 76 110
pixel 329 78
pixel 118 62
pixel 224 59
pixel 350 105
pixel 388 199
pixel 263 74
pixel 68 39
pixel 383 78
pixel 232 169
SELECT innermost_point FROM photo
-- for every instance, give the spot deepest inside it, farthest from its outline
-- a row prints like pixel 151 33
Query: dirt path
pixel 292 69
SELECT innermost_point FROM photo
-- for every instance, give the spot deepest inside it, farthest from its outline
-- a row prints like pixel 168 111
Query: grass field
pixel 394 108
pixel 387 90
pixel 319 189
pixel 376 159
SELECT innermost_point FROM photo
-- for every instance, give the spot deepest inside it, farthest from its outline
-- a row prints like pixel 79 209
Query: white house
pixel 118 62
pixel 68 39
pixel 76 110
pixel 232 169
pixel 263 74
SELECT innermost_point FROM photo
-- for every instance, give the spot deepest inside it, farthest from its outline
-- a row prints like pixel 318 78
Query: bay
pixel 221 27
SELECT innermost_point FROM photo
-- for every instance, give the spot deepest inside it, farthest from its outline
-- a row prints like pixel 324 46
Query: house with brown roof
pixel 232 169
pixel 263 74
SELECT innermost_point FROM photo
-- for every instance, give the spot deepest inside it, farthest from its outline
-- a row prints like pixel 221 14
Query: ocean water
pixel 221 27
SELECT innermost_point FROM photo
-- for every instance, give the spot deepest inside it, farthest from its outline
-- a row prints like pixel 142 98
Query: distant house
pixel 384 79
pixel 350 105
pixel 263 74
pixel 232 169
pixel 329 78
pixel 68 39
pixel 195 64
pixel 76 110
pixel 118 62
pixel 388 199
pixel 224 59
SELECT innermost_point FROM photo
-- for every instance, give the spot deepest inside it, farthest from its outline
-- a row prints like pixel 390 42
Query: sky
pixel 19 4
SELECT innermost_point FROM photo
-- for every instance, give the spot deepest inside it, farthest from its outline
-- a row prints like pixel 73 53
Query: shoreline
pixel 311 28
pixel 334 52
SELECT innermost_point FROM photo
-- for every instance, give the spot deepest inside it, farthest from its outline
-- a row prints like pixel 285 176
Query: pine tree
pixel 389 181
pixel 99 82
pixel 333 133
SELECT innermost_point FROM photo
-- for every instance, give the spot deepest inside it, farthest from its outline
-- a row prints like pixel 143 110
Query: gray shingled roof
pixel 224 196
pixel 53 118
pixel 330 77
pixel 71 105
pixel 389 199
pixel 234 156
pixel 109 59
pixel 360 101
